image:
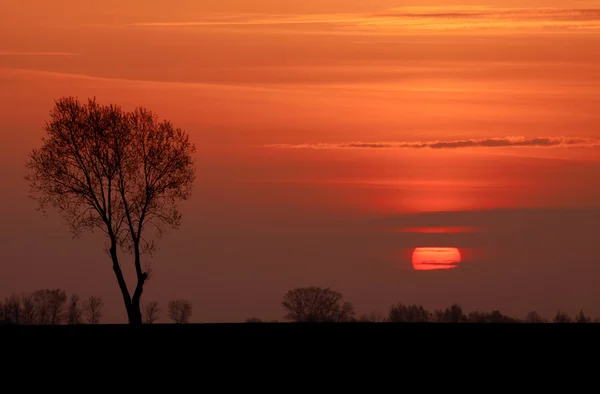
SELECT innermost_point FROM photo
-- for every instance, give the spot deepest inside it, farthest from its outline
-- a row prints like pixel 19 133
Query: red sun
pixel 427 259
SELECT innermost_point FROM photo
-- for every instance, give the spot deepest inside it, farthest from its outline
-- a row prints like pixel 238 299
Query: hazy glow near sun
pixel 430 258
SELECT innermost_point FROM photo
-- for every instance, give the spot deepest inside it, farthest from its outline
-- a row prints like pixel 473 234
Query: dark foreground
pixel 252 343
pixel 429 332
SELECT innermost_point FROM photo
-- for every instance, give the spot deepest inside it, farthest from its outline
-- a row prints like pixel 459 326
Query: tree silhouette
pixel 28 313
pixel 58 298
pixel 534 317
pixel 582 318
pixel 347 313
pixel 453 314
pixel 561 317
pixel 74 310
pixel 120 172
pixel 12 309
pixel 151 312
pixel 408 313
pixel 494 317
pixel 180 311
pixel 92 307
pixel 42 306
pixel 49 305
pixel 315 304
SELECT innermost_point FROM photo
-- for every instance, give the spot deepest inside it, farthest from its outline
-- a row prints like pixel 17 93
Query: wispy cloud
pixel 407 19
pixel 136 82
pixel 23 53
pixel 542 142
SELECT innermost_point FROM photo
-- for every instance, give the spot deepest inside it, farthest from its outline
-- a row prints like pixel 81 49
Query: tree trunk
pixel 133 317
pixel 136 313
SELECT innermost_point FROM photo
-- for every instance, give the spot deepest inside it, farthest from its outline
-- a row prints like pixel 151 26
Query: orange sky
pixel 312 115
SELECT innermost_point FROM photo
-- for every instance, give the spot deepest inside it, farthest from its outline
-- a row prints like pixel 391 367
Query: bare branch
pixel 151 312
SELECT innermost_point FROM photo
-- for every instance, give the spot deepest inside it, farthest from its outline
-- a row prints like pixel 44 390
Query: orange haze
pixel 316 121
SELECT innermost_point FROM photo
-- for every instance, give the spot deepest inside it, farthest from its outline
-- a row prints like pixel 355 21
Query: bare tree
pixel 180 311
pixel 315 304
pixel 28 311
pixel 92 307
pixel 49 305
pixel 42 306
pixel 74 310
pixel 120 172
pixel 151 312
pixel 57 299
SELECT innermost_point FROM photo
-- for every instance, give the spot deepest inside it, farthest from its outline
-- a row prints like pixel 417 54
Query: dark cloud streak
pixel 542 142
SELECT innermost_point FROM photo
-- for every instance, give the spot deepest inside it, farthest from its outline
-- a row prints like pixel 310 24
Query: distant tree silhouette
pixel 74 310
pixel 534 317
pixel 582 318
pixel 453 314
pixel 180 311
pixel 151 312
pixel 49 305
pixel 12 309
pixel 478 317
pixel 120 172
pixel 561 317
pixel 58 298
pixel 42 306
pixel 310 304
pixel 315 304
pixel 347 313
pixel 28 311
pixel 408 313
pixel 494 317
pixel 92 308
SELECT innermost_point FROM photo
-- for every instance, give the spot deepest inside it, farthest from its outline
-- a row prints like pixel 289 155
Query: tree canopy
pixel 315 304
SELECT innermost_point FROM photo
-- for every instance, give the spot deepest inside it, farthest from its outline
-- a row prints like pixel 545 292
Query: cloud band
pixel 542 142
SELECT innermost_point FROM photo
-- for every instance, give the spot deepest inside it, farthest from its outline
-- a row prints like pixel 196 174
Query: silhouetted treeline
pixel 50 306
pixel 315 304
pixel 304 304
pixel 53 306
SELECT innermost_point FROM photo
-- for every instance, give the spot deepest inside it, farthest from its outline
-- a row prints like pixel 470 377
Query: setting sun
pixel 426 259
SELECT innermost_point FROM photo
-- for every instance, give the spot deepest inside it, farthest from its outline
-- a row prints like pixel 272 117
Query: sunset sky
pixel 333 137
